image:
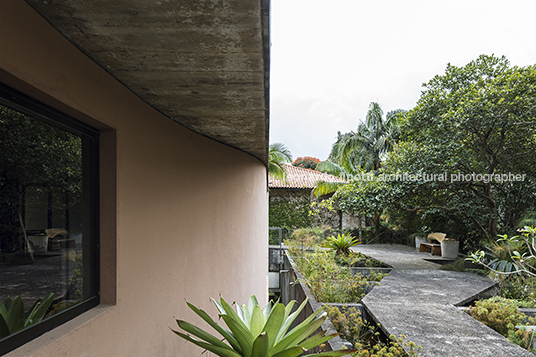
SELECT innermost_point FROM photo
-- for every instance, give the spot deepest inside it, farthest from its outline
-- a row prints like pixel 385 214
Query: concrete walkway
pixel 418 300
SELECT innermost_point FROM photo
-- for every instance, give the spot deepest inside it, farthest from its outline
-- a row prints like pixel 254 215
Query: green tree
pixel 278 156
pixel 479 119
pixel 364 148
pixel 373 138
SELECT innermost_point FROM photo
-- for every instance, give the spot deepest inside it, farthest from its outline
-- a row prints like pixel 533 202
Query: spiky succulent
pixel 255 332
pixel 341 243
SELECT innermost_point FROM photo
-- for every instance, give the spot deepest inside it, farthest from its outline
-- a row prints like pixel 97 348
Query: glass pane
pixel 40 217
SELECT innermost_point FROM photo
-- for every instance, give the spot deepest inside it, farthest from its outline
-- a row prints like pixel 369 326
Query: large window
pixel 48 219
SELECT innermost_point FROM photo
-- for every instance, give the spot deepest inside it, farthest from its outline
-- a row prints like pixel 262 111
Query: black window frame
pixel 16 100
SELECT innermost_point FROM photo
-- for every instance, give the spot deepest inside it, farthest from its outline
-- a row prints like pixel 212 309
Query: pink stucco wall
pixel 182 217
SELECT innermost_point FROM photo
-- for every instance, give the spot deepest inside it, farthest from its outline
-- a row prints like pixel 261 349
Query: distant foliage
pixel 289 211
pixel 307 162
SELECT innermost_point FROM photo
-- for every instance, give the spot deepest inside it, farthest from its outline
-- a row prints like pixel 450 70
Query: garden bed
pixel 507 317
pixel 297 289
pixel 331 282
pixel 351 317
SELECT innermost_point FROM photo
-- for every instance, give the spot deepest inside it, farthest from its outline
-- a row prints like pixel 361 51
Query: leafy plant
pixel 310 235
pixel 351 259
pixel 514 302
pixel 365 337
pixel 13 318
pixel 503 316
pixel 341 244
pixel 500 253
pixel 517 254
pixel 257 332
pixel 522 337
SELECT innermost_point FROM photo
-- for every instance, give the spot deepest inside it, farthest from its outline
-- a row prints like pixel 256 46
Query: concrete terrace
pixel 420 301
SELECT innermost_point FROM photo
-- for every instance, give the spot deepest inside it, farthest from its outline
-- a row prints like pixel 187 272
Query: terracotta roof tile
pixel 298 177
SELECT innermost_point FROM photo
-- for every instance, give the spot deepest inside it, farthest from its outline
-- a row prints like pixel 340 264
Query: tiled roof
pixel 298 177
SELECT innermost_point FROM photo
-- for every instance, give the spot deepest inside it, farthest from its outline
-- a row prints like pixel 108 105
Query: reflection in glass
pixel 41 242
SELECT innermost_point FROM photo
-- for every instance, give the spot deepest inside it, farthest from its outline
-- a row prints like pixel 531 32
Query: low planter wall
pixel 365 271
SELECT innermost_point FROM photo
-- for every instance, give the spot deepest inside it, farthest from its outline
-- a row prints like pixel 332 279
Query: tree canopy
pixel 307 162
pixel 361 150
pixel 478 119
pixel 469 146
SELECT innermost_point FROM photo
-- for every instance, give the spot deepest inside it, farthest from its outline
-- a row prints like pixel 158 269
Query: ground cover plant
pixel 327 272
pixel 328 281
pixel 366 337
pixel 503 315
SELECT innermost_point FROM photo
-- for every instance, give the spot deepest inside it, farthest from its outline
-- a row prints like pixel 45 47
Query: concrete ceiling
pixel 203 63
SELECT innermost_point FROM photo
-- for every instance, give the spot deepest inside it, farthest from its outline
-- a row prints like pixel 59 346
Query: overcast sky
pixel 330 59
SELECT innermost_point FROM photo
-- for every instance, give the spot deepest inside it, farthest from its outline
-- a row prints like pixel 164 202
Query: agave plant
pixel 256 332
pixel 13 318
pixel 341 244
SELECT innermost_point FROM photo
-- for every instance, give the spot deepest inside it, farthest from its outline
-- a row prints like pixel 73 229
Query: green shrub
pixel 514 302
pixel 328 281
pixel 523 338
pixel 312 234
pixel 500 315
pixel 511 262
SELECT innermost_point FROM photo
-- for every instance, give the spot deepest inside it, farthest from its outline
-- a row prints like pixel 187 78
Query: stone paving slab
pixel 396 255
pixel 442 330
pixel 432 286
pixel 418 301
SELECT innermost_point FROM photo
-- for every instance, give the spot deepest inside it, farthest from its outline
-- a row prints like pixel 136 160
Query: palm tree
pixel 375 137
pixel 354 152
pixel 278 155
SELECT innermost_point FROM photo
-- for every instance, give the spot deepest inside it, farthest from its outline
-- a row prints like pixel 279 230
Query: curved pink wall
pixel 182 216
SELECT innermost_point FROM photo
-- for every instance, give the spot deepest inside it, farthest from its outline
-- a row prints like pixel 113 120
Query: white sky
pixel 331 58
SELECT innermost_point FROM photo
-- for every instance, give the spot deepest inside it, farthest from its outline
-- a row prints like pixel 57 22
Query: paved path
pixel 418 300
